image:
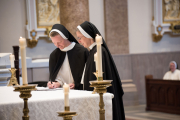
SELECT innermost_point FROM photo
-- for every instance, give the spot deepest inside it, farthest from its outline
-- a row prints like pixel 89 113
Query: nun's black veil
pixel 66 33
pixel 93 31
pixel 56 61
pixel 118 111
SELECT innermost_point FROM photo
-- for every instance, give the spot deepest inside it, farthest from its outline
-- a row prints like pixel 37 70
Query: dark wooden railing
pixel 162 95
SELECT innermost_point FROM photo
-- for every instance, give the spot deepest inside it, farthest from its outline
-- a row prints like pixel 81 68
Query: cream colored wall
pixel 12 26
pixel 12 23
pixel 140 36
pixel 96 14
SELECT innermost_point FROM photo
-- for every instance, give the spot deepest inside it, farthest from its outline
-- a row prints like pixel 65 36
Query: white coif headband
pixel 56 30
pixel 83 32
pixel 174 64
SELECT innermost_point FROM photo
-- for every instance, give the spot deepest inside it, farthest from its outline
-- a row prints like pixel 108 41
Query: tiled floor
pixel 139 113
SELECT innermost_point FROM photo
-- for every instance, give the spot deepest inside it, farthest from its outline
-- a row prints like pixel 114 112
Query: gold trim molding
pixel 48 29
pixel 173 27
pixel 170 11
pixel 165 16
pixel 157 38
pixel 67 114
pixel 47 13
pixel 32 43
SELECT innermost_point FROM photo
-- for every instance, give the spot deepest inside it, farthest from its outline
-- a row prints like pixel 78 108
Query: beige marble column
pixel 116 26
pixel 73 13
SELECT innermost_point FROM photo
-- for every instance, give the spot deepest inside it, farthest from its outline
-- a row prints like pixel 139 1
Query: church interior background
pixel 137 35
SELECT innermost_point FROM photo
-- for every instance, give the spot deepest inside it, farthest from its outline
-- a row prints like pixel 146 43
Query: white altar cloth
pixel 44 105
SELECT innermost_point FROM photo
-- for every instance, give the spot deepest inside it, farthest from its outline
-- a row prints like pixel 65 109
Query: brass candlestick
pixel 13 79
pixel 25 93
pixel 100 87
pixel 66 114
pixel 98 78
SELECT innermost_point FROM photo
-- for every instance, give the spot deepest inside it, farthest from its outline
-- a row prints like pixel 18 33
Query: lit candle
pixel 99 54
pixel 12 60
pixel 22 44
pixel 66 94
pixel 96 61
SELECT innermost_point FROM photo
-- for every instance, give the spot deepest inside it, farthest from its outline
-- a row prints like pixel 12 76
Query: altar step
pixel 4 75
pixel 4 68
pixel 130 96
pixel 127 81
pixel 4 59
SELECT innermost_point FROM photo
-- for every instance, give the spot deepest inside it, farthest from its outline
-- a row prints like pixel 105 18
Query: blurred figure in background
pixel 173 73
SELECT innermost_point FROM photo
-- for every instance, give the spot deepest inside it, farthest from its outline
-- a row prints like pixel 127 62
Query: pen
pixel 51 81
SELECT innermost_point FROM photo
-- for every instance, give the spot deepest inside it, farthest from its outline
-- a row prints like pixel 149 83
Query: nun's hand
pixel 50 86
pixel 56 84
pixel 71 85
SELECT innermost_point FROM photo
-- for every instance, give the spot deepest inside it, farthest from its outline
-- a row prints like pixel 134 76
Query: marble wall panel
pixel 73 13
pixel 116 26
pixel 124 67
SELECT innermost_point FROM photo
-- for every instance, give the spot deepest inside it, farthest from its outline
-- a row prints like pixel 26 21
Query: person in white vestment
pixel 174 73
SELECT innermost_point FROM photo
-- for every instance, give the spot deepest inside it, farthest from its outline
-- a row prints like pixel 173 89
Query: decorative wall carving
pixel 165 13
pixel 171 10
pixel 47 12
pixel 157 38
pixel 41 15
pixel 32 42
pixel 175 27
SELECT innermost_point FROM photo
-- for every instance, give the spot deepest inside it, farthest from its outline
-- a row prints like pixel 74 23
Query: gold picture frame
pixel 47 13
pixel 171 11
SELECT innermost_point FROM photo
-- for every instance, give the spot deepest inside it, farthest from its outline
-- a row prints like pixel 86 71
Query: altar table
pixel 44 105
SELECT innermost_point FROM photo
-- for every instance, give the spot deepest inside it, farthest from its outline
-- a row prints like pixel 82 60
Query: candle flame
pixel 97 35
pixel 20 37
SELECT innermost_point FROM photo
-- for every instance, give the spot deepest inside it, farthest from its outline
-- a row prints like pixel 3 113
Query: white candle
pixel 12 60
pixel 66 94
pixel 22 44
pixel 96 61
pixel 99 54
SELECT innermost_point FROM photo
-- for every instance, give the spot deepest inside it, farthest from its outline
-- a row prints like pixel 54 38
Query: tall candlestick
pixel 96 61
pixel 99 54
pixel 12 60
pixel 22 44
pixel 66 94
